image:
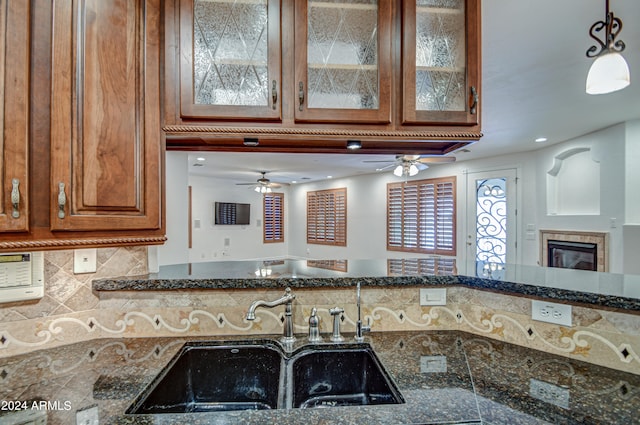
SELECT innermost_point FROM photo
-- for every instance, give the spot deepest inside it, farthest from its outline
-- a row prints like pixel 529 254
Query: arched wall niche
pixel 573 183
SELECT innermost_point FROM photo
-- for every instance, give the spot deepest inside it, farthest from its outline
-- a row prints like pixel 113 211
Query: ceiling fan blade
pixel 386 167
pixel 436 159
pixel 388 160
pixel 245 184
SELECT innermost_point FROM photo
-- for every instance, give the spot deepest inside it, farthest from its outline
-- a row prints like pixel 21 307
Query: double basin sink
pixel 242 375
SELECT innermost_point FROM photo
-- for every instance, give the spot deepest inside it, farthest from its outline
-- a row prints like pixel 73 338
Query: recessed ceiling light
pixel 541 140
pixel 329 177
pixel 200 158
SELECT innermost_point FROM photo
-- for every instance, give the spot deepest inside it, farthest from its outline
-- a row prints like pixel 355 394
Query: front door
pixel 491 222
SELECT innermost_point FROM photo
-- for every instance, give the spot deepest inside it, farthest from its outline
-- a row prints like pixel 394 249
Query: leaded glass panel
pixel 342 54
pixel 440 55
pixel 230 52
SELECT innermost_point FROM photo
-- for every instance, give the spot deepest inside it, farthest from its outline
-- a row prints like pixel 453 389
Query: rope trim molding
pixel 181 129
pixel 52 243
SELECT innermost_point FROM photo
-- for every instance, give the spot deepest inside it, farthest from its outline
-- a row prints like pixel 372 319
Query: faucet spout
pixel 287 301
pixel 360 328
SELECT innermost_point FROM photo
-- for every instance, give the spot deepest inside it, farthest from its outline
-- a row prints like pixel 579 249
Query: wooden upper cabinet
pixel 343 61
pixel 230 59
pixel 106 144
pixel 441 62
pixel 14 115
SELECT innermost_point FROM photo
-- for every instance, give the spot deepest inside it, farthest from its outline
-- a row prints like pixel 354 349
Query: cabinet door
pixel 14 115
pixel 441 53
pixel 230 59
pixel 343 61
pixel 106 144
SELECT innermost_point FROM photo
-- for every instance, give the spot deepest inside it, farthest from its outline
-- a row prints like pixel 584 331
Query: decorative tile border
pixel 591 343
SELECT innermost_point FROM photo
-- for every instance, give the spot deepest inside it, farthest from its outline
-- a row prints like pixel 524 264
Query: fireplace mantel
pixel 601 239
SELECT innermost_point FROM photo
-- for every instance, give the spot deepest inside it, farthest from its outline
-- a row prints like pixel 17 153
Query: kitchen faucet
pixel 359 327
pixel 287 300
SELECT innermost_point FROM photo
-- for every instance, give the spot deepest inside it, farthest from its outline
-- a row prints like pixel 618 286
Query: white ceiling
pixel 534 72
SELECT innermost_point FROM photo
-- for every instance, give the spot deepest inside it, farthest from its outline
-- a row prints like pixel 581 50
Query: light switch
pixel 85 260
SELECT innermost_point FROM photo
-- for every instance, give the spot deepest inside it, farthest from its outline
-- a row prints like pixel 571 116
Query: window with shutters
pixel 327 217
pixel 273 217
pixel 421 216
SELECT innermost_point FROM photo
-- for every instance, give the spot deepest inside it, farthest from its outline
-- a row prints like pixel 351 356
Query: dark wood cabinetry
pixel 349 70
pixel 14 115
pixel 96 149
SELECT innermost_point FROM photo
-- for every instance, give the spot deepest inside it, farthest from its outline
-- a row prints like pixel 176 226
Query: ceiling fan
pixel 262 185
pixel 410 165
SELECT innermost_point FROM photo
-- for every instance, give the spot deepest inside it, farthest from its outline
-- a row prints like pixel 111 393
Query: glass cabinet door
pixel 440 61
pixel 343 60
pixel 230 59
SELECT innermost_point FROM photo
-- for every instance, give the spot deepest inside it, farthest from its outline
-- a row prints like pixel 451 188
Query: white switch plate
pixel 85 260
pixel 433 296
pixel 544 311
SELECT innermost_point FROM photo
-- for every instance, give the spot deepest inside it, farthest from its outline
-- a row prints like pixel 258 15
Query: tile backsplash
pixel 70 312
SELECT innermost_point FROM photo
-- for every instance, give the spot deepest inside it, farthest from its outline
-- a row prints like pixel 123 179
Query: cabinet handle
pixel 15 198
pixel 474 100
pixel 274 93
pixel 300 94
pixel 62 200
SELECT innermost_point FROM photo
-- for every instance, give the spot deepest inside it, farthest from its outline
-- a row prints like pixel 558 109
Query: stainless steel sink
pixel 207 377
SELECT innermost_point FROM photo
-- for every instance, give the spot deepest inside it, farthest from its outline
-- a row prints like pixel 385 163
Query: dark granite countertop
pixel 604 290
pixel 445 377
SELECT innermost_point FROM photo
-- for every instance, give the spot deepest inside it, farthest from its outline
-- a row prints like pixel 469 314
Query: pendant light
pixel 609 72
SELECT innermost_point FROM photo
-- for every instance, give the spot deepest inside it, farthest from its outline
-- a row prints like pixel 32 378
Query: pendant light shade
pixel 609 72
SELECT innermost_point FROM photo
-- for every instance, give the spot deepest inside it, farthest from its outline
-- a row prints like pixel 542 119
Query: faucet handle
pixel 314 332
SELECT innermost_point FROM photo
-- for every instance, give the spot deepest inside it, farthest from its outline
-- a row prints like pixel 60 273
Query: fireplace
pixel 572 255
pixel 574 250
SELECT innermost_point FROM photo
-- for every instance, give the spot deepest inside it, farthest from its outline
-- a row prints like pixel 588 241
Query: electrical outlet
pixel 433 296
pixel 433 364
pixel 559 314
pixel 549 393
pixel 85 260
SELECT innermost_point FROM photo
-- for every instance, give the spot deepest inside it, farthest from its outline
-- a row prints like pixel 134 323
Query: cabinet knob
pixel 274 94
pixel 62 200
pixel 473 100
pixel 15 198
pixel 300 94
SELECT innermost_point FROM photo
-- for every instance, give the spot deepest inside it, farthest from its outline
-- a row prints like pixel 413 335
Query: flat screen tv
pixel 231 213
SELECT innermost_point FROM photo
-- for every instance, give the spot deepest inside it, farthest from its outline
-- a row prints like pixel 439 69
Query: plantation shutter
pixel 273 217
pixel 421 216
pixel 435 266
pixel 327 217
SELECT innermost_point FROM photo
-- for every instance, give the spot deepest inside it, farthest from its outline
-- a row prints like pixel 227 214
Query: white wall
pixel 217 242
pixel 176 248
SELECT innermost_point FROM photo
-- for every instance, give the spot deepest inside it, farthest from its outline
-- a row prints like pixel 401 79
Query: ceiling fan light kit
pixel 410 165
pixel 262 185
pixel 609 72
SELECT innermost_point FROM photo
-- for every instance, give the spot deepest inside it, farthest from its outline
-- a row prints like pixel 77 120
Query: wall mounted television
pixel 231 213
